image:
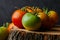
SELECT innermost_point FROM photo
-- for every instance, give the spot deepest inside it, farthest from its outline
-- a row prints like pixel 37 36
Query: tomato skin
pixel 31 22
pixel 3 33
pixel 17 18
pixel 11 26
pixel 44 18
pixel 53 16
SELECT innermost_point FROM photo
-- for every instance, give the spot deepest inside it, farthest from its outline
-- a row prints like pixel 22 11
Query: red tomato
pixel 17 18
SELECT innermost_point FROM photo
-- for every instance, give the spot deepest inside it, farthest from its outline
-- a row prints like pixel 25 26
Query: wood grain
pixel 22 34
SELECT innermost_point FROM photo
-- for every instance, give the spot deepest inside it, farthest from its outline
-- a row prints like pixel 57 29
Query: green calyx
pixel 45 10
pixel 5 24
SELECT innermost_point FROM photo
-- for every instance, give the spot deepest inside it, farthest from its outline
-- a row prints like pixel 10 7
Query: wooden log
pixel 22 34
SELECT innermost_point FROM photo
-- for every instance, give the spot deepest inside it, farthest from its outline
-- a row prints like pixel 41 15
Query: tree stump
pixel 22 34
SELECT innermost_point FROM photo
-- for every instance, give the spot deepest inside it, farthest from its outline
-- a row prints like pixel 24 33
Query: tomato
pixel 3 33
pixel 44 18
pixel 11 26
pixel 53 16
pixel 31 22
pixel 17 18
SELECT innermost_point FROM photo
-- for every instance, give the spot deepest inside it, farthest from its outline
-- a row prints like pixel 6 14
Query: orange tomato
pixel 11 26
pixel 44 20
pixel 53 16
pixel 43 16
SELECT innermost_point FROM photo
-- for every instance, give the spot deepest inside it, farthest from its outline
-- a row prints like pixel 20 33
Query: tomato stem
pixel 45 10
pixel 5 24
pixel 23 9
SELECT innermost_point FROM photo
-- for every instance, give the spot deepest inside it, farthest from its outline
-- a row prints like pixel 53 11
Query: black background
pixel 7 7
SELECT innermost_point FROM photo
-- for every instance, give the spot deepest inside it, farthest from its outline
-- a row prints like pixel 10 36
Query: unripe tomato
pixel 3 33
pixel 31 22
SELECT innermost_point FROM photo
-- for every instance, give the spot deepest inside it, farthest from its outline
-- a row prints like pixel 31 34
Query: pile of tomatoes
pixel 33 18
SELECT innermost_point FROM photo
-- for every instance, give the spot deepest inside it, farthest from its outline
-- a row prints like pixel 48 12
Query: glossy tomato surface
pixel 17 18
pixel 31 22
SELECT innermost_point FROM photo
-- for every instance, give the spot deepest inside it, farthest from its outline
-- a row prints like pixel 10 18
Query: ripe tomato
pixel 53 16
pixel 43 16
pixel 11 26
pixel 44 20
pixel 17 18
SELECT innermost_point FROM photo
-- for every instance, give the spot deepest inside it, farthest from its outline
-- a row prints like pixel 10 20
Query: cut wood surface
pixel 23 34
pixel 38 32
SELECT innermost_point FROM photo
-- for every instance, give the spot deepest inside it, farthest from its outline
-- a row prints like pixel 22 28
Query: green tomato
pixel 31 22
pixel 3 33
